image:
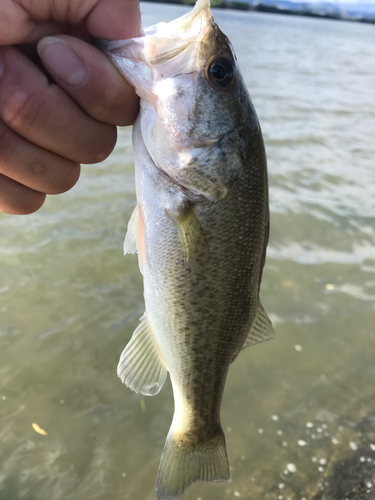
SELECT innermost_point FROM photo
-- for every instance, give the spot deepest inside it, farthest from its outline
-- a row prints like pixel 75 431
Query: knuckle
pixel 55 180
pixel 37 169
pixel 22 111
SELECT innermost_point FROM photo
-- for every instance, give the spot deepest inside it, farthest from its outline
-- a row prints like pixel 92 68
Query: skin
pixel 60 98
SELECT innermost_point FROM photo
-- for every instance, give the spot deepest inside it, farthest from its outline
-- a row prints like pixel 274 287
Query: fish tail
pixel 183 464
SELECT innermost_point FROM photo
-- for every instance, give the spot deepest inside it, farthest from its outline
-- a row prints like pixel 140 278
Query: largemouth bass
pixel 200 228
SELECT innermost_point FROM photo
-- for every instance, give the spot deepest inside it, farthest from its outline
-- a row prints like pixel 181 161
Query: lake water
pixel 69 300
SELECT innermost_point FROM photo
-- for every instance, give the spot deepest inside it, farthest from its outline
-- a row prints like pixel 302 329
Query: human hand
pixel 48 129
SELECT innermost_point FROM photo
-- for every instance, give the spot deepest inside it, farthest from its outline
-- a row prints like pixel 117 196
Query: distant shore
pixel 272 9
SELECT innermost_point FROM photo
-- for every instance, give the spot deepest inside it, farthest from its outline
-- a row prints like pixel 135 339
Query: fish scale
pixel 201 230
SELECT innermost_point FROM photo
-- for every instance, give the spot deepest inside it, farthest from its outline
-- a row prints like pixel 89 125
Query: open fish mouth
pixel 162 50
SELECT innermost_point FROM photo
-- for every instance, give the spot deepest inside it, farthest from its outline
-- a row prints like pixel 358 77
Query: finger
pixel 23 21
pixel 115 19
pixel 90 79
pixel 45 115
pixel 33 166
pixel 18 24
pixel 17 199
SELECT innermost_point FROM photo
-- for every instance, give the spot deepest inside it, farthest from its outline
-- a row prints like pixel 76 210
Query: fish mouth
pixel 167 40
pixel 164 50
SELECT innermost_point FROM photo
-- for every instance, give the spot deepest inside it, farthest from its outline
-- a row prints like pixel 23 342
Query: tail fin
pixel 184 464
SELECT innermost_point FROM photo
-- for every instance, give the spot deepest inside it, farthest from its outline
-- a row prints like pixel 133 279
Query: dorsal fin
pixel 140 366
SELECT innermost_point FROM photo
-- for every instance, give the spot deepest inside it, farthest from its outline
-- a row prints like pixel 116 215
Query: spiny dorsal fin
pixel 193 240
pixel 261 329
pixel 140 366
pixel 130 243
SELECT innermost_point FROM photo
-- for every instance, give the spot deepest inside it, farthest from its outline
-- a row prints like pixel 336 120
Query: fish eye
pixel 221 73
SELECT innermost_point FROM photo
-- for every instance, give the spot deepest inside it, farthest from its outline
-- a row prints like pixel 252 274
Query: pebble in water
pixel 309 425
pixel 301 442
pixel 291 468
pixel 353 445
pixel 275 418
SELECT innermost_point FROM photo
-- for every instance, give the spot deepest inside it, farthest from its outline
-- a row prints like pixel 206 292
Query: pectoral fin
pixel 130 243
pixel 193 239
pixel 135 237
pixel 140 366
pixel 261 329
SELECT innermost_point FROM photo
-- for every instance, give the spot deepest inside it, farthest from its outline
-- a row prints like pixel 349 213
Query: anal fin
pixel 140 366
pixel 261 329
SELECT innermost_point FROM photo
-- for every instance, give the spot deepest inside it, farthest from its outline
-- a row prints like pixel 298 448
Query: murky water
pixel 69 300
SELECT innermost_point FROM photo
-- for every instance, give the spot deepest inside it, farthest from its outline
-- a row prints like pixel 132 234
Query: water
pixel 69 300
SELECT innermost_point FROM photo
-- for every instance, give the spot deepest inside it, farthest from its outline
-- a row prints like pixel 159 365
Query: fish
pixel 200 228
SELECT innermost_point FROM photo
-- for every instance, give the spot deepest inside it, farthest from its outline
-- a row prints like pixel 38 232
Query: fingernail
pixel 62 61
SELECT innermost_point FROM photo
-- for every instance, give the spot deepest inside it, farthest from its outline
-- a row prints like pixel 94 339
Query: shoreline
pixel 272 9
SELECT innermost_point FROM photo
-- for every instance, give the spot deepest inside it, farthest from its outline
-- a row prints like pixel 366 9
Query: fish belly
pixel 199 315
